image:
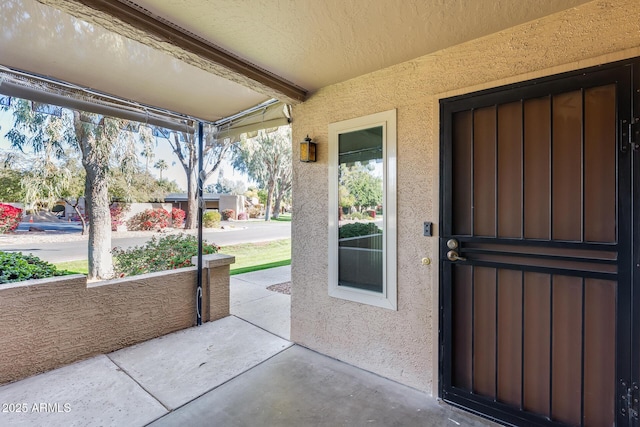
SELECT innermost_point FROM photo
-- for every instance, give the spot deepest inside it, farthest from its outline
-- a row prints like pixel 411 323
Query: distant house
pixel 215 201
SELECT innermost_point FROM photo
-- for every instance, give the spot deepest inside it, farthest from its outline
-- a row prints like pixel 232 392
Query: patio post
pixel 200 209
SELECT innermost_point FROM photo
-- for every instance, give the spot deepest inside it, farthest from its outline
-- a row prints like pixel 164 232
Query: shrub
pixel 151 219
pixel 211 219
pixel 177 217
pixel 358 229
pixel 159 254
pixel 117 213
pixel 15 267
pixel 228 214
pixel 10 218
pixel 254 212
pixel 242 216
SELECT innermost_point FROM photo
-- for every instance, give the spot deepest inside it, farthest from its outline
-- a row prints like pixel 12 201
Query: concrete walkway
pixel 250 300
pixel 237 371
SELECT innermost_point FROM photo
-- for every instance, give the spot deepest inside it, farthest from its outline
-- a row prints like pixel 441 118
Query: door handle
pixel 453 256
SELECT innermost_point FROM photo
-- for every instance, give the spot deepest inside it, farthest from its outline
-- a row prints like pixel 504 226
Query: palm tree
pixel 147 153
pixel 161 165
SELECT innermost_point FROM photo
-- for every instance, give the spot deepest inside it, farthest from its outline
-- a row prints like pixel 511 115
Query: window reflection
pixel 360 209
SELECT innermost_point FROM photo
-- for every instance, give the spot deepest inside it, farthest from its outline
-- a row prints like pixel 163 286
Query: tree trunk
pixel 87 200
pixel 191 220
pixel 76 208
pixel 95 159
pixel 276 206
pixel 282 189
pixel 187 153
pixel 280 193
pixel 97 206
pixel 83 219
pixel 270 189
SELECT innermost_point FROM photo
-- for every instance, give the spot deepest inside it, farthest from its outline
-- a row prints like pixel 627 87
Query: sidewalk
pixel 251 301
pixel 237 371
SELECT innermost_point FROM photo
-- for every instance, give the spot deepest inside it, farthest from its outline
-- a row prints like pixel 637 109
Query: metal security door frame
pixel 630 135
pixel 627 78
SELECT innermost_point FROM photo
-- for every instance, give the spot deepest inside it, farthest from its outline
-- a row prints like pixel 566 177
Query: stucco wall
pixel 403 344
pixel 136 208
pixel 231 202
pixel 48 323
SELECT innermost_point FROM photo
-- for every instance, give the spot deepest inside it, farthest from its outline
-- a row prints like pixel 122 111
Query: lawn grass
pixel 79 266
pixel 285 217
pixel 249 257
pixel 259 256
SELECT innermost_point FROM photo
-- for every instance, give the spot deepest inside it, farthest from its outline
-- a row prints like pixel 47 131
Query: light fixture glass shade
pixel 307 150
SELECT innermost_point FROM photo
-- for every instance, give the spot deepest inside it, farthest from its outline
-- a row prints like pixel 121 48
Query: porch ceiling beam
pixel 138 24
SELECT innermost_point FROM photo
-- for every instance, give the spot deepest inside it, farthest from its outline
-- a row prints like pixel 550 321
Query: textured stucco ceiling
pixel 43 40
pixel 317 43
pixel 308 42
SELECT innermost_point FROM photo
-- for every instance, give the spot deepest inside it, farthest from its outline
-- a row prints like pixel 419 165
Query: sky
pixel 162 150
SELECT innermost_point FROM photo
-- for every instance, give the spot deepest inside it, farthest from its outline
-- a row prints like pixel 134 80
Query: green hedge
pixel 16 267
pixel 158 254
pixel 358 229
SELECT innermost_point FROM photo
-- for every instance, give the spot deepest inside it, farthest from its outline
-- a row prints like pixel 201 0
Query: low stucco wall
pixel 403 344
pixel 231 202
pixel 48 323
pixel 135 208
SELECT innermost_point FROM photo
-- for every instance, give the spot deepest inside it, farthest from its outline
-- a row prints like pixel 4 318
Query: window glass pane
pixel 360 209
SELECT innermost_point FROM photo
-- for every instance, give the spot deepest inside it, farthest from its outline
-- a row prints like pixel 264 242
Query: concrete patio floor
pixel 250 300
pixel 231 372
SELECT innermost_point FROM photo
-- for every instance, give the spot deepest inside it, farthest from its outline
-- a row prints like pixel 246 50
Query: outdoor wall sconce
pixel 307 150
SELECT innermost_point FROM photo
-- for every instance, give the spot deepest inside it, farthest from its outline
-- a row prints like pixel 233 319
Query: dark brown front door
pixel 537 243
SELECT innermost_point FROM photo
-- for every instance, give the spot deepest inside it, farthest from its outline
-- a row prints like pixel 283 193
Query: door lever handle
pixel 453 256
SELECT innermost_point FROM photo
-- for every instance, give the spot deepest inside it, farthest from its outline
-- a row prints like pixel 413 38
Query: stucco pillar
pixel 215 285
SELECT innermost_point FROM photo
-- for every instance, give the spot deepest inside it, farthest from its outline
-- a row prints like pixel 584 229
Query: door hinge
pixel 629 398
pixel 634 133
pixel 630 134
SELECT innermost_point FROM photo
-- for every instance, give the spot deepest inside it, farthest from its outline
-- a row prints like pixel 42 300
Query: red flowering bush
pixel 10 218
pixel 151 219
pixel 228 214
pixel 177 217
pixel 117 213
pixel 242 216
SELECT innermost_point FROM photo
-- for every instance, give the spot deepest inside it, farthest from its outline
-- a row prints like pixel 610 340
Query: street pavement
pixel 67 227
pixel 61 249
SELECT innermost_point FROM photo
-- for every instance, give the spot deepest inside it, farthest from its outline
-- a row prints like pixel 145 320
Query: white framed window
pixel 362 210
